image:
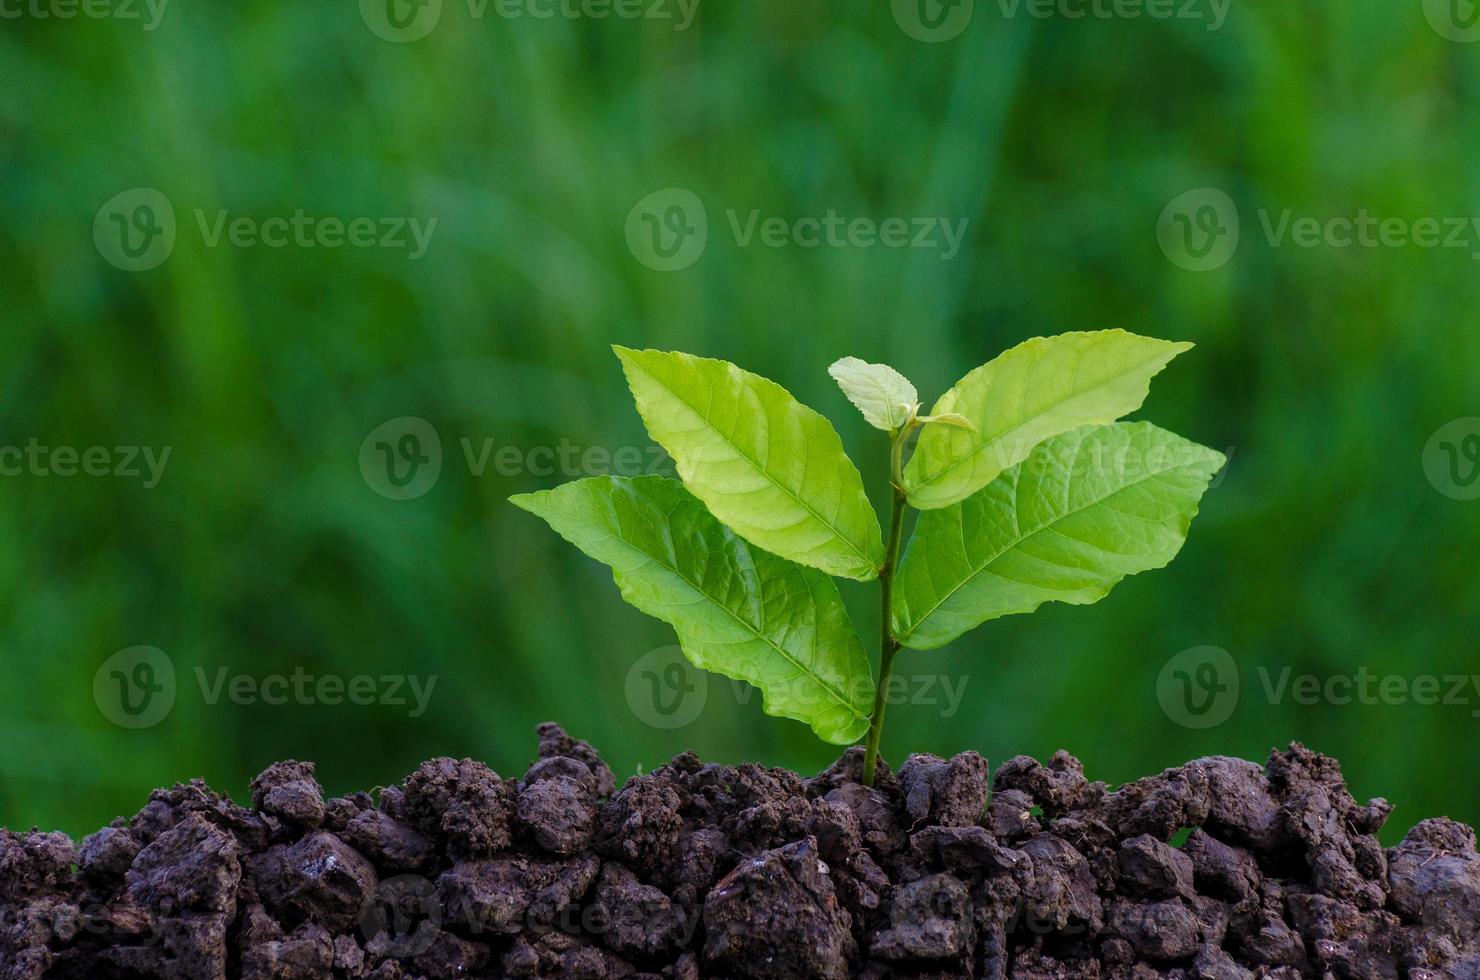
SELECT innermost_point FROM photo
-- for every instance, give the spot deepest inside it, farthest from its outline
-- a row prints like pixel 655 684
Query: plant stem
pixel 888 645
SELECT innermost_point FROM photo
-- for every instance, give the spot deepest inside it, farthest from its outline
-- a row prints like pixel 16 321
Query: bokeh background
pixel 266 548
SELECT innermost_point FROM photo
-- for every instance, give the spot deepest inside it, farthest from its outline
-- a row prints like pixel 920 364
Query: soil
pixel 695 870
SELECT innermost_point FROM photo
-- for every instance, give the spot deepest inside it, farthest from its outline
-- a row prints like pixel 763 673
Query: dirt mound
pixel 739 871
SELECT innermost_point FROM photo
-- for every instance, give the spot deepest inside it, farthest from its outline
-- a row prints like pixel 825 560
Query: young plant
pixel 1029 489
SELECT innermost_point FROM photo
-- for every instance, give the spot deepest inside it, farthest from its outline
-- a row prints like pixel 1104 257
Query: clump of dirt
pixel 699 870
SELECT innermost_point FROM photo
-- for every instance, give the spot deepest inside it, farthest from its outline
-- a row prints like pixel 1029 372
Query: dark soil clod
pixel 696 870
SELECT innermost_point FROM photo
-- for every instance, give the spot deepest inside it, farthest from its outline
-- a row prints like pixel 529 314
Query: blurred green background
pixel 265 548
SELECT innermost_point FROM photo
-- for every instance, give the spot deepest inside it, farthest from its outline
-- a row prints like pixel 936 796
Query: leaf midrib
pixel 837 532
pixel 980 568
pixel 837 695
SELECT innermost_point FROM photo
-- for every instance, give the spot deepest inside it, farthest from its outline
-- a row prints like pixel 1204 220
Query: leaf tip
pixel 527 501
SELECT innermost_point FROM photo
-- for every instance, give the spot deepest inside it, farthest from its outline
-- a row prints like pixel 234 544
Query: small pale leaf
pixel 884 396
pixel 950 418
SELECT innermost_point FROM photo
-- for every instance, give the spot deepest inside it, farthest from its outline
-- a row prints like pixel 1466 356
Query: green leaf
pixel 738 611
pixel 766 465
pixel 1038 389
pixel 949 418
pixel 1082 512
pixel 886 398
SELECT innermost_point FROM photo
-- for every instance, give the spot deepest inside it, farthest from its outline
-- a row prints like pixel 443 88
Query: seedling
pixel 1028 488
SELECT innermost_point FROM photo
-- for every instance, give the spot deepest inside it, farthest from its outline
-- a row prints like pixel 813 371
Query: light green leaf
pixel 1038 389
pixel 949 418
pixel 1083 511
pixel 766 465
pixel 886 398
pixel 738 611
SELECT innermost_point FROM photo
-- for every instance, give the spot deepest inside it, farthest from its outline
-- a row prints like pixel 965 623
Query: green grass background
pixel 1324 371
